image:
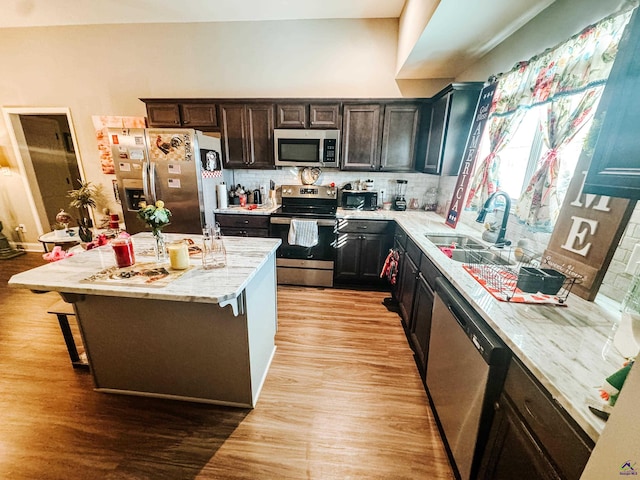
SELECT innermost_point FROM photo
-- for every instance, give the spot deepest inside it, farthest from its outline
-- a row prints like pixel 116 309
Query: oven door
pixel 297 265
pixel 323 251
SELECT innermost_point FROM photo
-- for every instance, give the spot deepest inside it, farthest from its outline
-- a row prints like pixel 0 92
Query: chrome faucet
pixel 500 241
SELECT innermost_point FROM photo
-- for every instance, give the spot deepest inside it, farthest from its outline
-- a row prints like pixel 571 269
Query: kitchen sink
pixel 468 255
pixel 460 241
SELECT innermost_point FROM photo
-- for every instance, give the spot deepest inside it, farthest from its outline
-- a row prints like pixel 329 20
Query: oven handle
pixel 287 221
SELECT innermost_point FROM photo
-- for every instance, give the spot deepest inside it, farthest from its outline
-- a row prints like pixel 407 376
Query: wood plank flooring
pixel 342 400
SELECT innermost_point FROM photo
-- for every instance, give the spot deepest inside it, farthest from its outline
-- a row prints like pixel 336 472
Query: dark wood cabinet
pixel 421 313
pixel 163 115
pixel 399 137
pixel 239 225
pixel 531 435
pixel 512 452
pixel 615 167
pixel 174 113
pixel 360 137
pixel 305 115
pixel 451 115
pixel 363 246
pixel 409 279
pixel 291 115
pixel 380 137
pixel 198 115
pixel 323 115
pixel 247 135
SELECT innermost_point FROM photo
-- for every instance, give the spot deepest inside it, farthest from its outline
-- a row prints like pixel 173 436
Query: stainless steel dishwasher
pixel 466 366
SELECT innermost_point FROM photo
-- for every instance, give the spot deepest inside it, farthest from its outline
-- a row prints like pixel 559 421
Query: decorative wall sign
pixel 586 233
pixel 470 154
pixel 102 123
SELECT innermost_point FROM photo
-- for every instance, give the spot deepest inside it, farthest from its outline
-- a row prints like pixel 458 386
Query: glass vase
pixel 159 246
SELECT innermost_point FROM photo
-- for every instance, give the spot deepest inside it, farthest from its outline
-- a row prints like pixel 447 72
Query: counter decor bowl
pixel 543 280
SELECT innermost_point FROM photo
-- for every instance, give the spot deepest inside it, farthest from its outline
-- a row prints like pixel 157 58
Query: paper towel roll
pixel 221 189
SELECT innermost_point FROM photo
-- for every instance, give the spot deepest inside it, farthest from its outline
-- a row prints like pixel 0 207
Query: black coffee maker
pixel 399 201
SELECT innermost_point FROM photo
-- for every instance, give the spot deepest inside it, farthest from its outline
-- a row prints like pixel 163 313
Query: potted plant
pixel 84 198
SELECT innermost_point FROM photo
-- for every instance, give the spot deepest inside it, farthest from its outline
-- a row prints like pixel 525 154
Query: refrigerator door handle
pixel 145 182
pixel 152 181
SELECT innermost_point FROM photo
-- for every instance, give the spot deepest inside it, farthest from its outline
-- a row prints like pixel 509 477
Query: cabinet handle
pixel 246 222
pixel 186 122
pixel 526 407
pixel 363 227
pixel 496 406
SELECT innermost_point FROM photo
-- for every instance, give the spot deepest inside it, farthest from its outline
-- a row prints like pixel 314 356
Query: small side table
pixel 65 241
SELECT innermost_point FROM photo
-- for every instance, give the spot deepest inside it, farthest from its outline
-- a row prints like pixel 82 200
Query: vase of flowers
pixel 156 217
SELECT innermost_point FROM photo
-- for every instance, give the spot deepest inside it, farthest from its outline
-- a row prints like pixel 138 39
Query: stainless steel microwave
pixel 306 148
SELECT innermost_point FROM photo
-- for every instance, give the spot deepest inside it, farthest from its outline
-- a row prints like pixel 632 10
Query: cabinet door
pixel 199 115
pixel 163 114
pixel 233 128
pixel 348 256
pixel 462 108
pixel 615 169
pixel 360 132
pixel 511 451
pixel 375 248
pixel 399 136
pixel 409 276
pixel 324 116
pixel 421 323
pixel 291 115
pixel 260 136
pixel 439 112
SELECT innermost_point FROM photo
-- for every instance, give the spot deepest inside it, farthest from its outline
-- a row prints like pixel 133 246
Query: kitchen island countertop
pixel 199 335
pixel 561 346
pixel 245 256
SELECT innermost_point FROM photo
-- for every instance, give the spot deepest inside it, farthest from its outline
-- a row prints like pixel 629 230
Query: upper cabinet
pixel 247 135
pixel 308 115
pixel 451 115
pixel 188 114
pixel 380 136
pixel 615 164
pixel 360 132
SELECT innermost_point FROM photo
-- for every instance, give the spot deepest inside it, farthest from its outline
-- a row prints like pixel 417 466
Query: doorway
pixel 45 145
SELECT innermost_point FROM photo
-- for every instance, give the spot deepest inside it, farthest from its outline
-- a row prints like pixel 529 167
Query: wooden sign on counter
pixel 586 233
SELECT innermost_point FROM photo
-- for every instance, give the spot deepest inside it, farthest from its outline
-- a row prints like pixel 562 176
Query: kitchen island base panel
pixel 182 350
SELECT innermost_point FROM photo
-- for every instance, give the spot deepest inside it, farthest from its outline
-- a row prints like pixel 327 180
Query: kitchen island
pixel 204 336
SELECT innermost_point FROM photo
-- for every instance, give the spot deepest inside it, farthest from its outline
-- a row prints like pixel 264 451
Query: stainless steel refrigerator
pixel 181 167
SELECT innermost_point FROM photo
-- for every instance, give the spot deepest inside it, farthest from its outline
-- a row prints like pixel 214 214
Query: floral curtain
pixel 568 85
pixel 540 204
pixel 505 117
pixel 566 81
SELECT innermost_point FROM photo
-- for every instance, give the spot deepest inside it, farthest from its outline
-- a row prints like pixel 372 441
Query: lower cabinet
pixel 362 248
pixel 531 436
pixel 409 279
pixel 239 225
pixel 420 325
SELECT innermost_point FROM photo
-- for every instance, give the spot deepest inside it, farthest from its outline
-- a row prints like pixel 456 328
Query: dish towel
pixel 303 232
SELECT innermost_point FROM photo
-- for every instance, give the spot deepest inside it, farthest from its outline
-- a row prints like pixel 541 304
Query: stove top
pixel 317 201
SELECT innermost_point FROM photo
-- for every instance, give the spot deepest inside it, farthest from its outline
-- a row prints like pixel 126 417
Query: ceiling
pixel 450 41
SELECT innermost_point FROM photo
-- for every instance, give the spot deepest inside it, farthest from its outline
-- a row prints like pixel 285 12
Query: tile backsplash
pixel 417 183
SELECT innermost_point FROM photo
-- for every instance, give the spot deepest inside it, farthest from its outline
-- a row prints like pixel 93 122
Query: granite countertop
pixel 260 210
pixel 245 256
pixel 562 346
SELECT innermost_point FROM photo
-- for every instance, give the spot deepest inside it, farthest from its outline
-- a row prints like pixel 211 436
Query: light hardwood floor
pixel 342 400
